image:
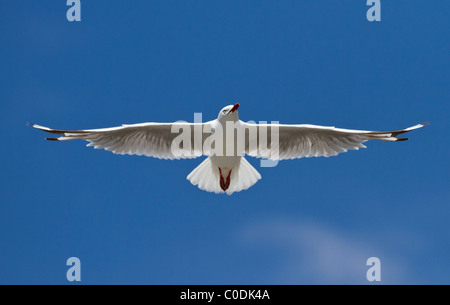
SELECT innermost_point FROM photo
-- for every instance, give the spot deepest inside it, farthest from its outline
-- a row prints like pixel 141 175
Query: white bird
pixel 225 172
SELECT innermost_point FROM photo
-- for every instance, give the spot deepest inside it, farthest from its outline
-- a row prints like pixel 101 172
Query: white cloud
pixel 312 253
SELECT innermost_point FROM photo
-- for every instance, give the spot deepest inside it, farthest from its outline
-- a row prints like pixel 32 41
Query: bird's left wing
pixel 299 141
pixel 149 139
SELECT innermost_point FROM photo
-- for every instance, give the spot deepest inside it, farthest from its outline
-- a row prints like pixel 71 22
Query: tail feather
pixel 207 177
pixel 243 177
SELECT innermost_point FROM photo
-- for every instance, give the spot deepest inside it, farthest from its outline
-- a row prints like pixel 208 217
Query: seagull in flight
pixel 226 170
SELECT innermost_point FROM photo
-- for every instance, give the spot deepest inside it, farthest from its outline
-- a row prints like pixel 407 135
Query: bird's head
pixel 229 112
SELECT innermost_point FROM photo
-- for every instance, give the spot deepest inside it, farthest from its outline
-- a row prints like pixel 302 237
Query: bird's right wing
pixel 157 140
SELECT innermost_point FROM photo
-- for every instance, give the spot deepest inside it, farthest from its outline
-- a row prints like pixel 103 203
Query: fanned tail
pixel 207 177
pixel 243 177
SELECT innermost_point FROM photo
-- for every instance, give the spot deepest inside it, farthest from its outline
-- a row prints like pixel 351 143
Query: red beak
pixel 235 107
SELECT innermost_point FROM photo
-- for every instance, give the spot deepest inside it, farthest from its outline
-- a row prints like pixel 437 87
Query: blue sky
pixel 137 220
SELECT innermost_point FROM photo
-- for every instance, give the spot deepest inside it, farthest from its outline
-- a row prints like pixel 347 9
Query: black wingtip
pixel 52 139
pixel 425 124
pixel 30 124
pixel 402 139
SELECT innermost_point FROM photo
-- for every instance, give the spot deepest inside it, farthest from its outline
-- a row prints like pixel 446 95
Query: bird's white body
pixel 225 170
pixel 225 166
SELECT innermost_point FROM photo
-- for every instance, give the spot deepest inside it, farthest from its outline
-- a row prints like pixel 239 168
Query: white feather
pixel 295 141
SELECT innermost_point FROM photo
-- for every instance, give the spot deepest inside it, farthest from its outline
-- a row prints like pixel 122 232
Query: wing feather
pixel 304 141
pixel 148 139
